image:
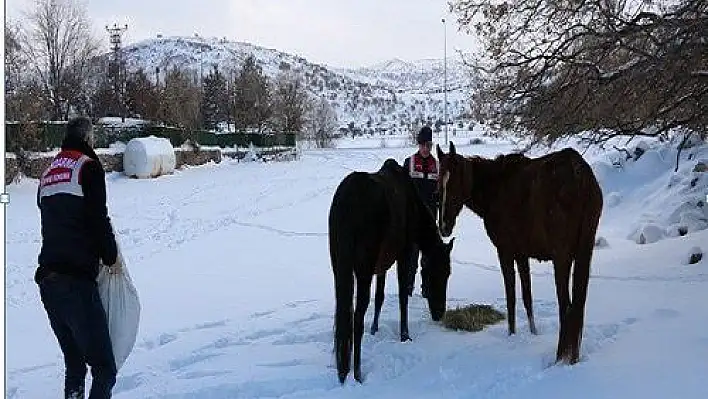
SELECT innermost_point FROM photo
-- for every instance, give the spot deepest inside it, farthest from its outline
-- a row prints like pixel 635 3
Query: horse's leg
pixel 403 270
pixel 525 276
pixel 414 255
pixel 506 263
pixel 378 301
pixel 561 273
pixel 424 264
pixel 363 296
pixel 581 278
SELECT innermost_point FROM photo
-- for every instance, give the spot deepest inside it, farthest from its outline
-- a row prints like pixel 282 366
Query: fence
pixel 50 135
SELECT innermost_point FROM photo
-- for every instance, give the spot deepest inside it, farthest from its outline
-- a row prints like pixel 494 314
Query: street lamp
pixel 445 77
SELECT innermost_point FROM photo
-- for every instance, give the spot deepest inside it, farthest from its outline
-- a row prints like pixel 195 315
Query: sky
pixel 339 33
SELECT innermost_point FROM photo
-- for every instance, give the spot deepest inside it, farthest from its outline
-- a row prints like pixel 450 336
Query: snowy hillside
pixel 642 192
pixel 422 76
pixel 386 96
pixel 233 271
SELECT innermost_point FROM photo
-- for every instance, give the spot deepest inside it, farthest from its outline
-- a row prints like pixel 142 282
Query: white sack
pixel 147 157
pixel 122 305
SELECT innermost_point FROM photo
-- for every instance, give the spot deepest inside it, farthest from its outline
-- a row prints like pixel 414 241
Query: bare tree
pixel 322 124
pixel 25 107
pixel 181 101
pixel 291 103
pixel 58 42
pixel 557 68
pixel 23 98
pixel 14 60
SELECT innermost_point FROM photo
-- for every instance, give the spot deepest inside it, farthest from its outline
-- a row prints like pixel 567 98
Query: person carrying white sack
pixel 76 238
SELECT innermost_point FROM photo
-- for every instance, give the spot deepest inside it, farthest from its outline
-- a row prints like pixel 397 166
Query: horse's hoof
pixel 565 359
pixel 358 377
pixel 374 330
pixel 342 378
pixel 406 338
pixel 573 359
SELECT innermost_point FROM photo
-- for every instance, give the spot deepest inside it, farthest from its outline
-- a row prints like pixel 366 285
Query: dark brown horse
pixel 547 208
pixel 373 221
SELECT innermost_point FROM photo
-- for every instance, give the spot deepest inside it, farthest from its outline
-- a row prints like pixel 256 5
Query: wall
pixel 35 165
pixel 189 157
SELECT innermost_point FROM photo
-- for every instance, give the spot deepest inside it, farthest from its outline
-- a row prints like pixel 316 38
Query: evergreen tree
pixel 252 104
pixel 142 98
pixel 215 100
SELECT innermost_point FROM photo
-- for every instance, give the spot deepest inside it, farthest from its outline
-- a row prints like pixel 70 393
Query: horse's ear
pixel 439 151
pixel 452 148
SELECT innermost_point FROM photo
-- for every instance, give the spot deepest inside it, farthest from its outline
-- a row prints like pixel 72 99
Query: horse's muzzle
pixel 445 229
pixel 437 314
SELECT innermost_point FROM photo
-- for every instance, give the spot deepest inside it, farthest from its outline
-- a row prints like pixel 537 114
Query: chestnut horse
pixel 546 208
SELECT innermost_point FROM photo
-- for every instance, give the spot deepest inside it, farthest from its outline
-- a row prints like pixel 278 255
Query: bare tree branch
pixel 58 42
pixel 557 68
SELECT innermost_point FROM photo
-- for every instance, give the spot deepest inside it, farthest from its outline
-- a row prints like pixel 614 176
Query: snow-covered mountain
pixel 422 76
pixel 388 96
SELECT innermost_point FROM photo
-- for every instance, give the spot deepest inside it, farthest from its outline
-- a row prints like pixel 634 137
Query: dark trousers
pixel 415 255
pixel 78 320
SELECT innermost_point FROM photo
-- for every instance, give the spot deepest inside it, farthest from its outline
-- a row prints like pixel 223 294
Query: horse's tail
pixel 343 324
pixel 342 255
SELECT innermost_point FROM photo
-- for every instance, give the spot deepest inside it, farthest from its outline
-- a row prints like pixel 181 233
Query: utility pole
pixel 445 76
pixel 115 69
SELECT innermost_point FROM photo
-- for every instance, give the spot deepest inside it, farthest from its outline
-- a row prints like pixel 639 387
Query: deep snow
pixel 232 267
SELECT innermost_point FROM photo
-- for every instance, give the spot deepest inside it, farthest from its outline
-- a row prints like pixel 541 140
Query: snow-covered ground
pixel 231 263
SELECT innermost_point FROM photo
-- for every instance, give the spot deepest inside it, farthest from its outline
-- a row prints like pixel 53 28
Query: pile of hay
pixel 471 318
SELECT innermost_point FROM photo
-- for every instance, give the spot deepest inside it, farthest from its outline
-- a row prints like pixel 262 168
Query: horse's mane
pixel 500 166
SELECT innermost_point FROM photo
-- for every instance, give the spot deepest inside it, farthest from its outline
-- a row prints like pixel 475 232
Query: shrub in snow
pixel 616 160
pixel 674 180
pixel 701 167
pixel 640 149
pixel 601 242
pixel 147 157
pixel 251 155
pixel 693 140
pixel 648 233
pixel 676 230
pixel 476 141
pixel 691 214
pixel 695 219
pixel 118 146
pixel 651 160
pixel 190 145
pixel 613 199
pixel 695 255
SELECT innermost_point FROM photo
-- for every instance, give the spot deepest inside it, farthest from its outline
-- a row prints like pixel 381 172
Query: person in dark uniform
pixel 423 169
pixel 77 236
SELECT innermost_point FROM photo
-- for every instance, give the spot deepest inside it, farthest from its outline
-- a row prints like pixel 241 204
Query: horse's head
pixel 435 275
pixel 452 189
